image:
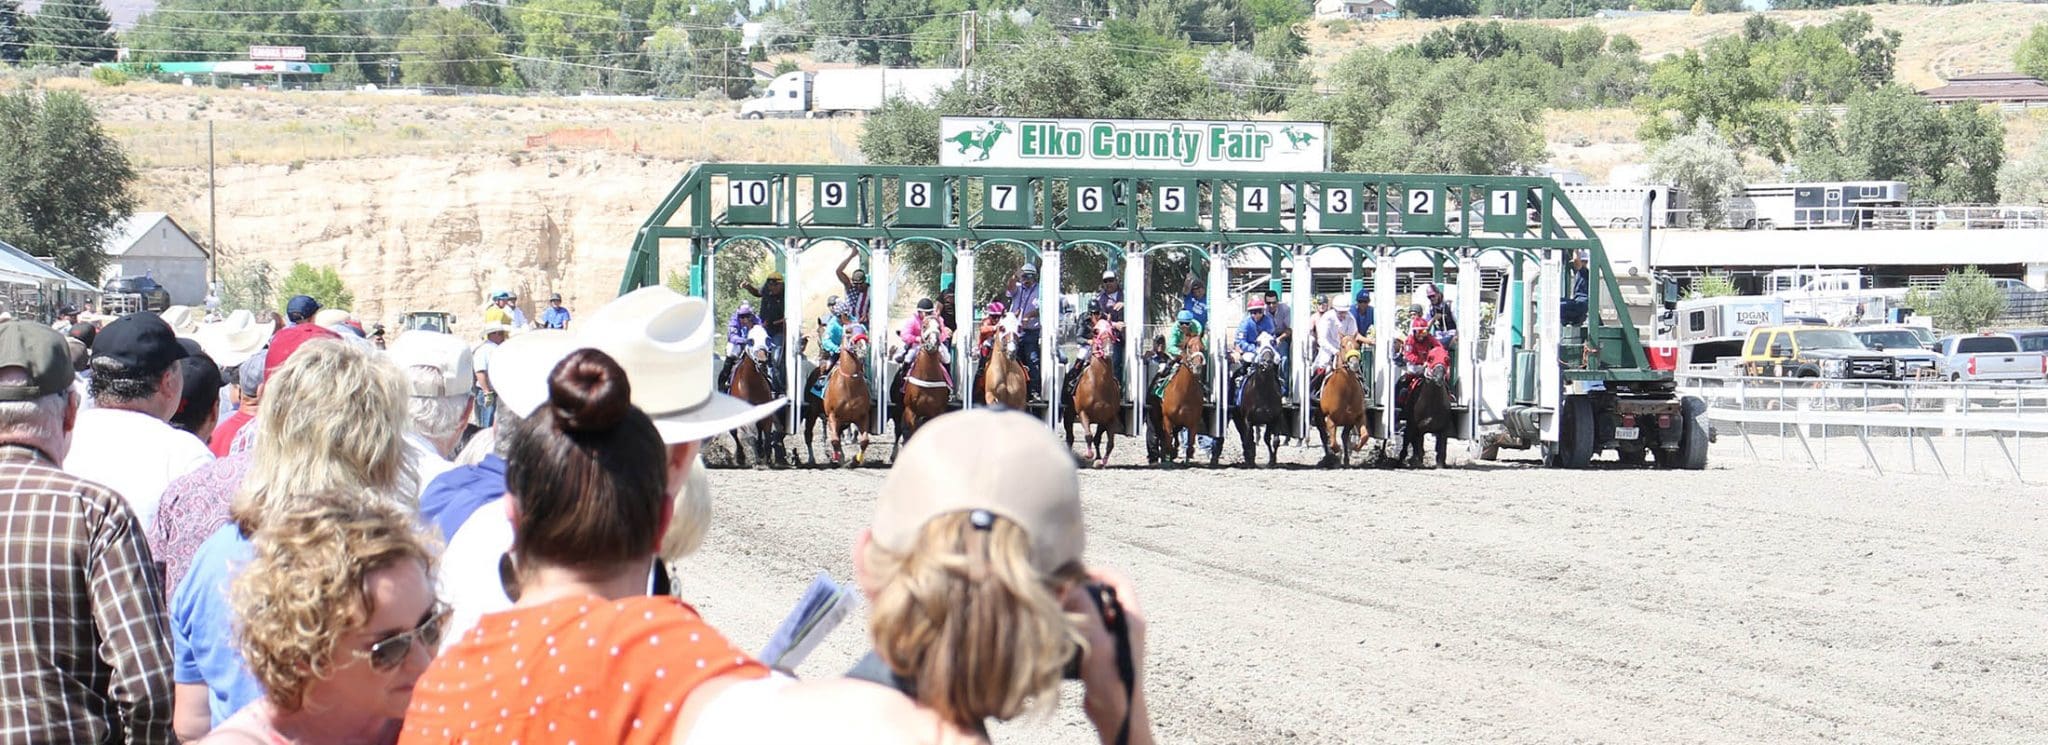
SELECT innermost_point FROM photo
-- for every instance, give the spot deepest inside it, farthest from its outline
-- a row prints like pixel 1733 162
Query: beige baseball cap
pixel 1006 463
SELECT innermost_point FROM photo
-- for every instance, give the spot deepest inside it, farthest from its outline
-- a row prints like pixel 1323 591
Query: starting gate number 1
pixel 833 195
pixel 917 194
pixel 1421 202
pixel 1002 197
pixel 1173 198
pixel 1089 198
pixel 1339 202
pixel 749 193
pixel 1504 203
pixel 1255 199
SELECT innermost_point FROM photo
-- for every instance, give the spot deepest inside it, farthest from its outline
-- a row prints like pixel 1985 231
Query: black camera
pixel 1112 614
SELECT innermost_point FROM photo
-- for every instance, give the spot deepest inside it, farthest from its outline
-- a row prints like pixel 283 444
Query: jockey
pixel 1421 351
pixel 1257 325
pixel 743 335
pixel 1442 322
pixel 1185 327
pixel 835 336
pixel 991 328
pixel 913 332
pixel 1333 328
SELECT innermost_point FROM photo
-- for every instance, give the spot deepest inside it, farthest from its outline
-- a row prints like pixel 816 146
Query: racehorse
pixel 1342 405
pixel 1004 382
pixel 1259 406
pixel 1098 403
pixel 1426 410
pixel 1180 404
pixel 925 388
pixel 749 384
pixel 849 403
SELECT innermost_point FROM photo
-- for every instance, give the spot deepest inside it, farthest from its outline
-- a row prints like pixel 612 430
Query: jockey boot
pixel 896 382
pixel 725 373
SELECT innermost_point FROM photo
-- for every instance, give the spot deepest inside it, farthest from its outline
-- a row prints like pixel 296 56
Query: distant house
pixel 152 243
pixel 1992 88
pixel 1329 10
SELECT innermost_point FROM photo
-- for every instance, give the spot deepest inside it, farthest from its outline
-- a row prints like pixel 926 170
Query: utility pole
pixel 212 212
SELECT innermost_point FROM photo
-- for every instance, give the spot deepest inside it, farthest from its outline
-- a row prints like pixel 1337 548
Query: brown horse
pixel 1342 404
pixel 1099 404
pixel 750 385
pixel 849 403
pixel 1005 382
pixel 925 388
pixel 1180 405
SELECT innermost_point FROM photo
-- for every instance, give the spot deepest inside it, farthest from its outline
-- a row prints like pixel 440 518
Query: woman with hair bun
pixel 585 654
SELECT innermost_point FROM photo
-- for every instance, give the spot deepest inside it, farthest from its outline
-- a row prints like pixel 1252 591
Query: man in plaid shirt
pixel 83 653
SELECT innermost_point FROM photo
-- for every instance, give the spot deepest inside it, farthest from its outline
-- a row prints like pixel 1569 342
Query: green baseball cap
pixel 40 350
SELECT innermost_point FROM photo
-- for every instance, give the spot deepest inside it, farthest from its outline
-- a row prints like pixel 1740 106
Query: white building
pixel 1353 9
pixel 151 243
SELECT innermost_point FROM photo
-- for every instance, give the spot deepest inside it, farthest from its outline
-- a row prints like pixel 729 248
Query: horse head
pixel 928 338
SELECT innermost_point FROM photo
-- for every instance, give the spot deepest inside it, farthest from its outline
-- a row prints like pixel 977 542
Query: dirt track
pixel 1504 603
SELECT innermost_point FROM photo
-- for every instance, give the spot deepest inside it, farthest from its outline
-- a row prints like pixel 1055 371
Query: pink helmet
pixel 996 307
pixel 1419 325
pixel 1257 303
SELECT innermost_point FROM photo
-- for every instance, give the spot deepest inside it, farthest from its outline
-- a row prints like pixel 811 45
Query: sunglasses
pixel 387 654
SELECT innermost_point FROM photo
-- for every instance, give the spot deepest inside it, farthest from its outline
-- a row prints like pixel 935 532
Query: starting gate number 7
pixel 747 193
pixel 1002 197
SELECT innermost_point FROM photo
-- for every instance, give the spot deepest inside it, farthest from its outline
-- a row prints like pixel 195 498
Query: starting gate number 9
pixel 749 193
pixel 833 195
pixel 1173 198
pixel 1089 198
pixel 1421 202
pixel 1339 202
pixel 1002 197
pixel 1504 203
pixel 1255 199
pixel 917 194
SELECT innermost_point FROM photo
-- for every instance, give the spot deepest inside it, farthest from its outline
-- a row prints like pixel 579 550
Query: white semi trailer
pixel 834 92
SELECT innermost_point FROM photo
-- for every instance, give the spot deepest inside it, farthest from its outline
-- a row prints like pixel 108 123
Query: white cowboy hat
pixel 233 340
pixel 492 328
pixel 663 341
pixel 181 319
pixel 1340 301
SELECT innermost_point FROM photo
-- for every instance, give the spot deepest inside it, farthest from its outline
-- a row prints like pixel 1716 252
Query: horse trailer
pixel 1610 206
pixel 1827 204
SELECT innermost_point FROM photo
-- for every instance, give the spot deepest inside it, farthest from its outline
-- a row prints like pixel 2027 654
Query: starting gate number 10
pixel 917 194
pixel 1421 202
pixel 749 193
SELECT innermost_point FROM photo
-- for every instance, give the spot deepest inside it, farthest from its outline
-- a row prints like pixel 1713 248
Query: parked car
pixel 1915 361
pixel 2032 340
pixel 1805 320
pixel 1990 357
pixel 124 295
pixel 1814 352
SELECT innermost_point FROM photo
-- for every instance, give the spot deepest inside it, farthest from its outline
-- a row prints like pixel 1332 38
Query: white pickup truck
pixel 1990 357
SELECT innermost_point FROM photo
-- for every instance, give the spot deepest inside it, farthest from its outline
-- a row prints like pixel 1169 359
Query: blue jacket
pixel 1248 332
pixel 1197 306
pixel 835 335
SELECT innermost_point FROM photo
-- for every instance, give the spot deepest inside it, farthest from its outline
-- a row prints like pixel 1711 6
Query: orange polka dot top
pixel 577 670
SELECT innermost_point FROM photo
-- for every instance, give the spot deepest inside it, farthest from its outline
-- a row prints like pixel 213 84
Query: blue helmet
pixel 1186 316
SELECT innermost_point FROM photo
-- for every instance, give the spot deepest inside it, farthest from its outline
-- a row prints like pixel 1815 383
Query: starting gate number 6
pixel 917 194
pixel 1002 197
pixel 834 196
pixel 1089 198
pixel 1421 202
pixel 749 193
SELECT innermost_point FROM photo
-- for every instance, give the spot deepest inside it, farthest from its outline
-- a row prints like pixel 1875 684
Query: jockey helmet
pixel 926 306
pixel 995 307
pixel 745 311
pixel 842 308
pixel 1420 325
pixel 1185 316
pixel 1257 303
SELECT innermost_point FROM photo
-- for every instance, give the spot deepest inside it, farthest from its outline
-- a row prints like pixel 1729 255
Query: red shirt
pixel 224 433
pixel 581 669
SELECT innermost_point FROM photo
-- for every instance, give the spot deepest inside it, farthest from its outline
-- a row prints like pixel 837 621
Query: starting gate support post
pixel 792 330
pixel 1470 282
pixel 1301 298
pixel 1219 344
pixel 1387 369
pixel 1050 371
pixel 881 293
pixel 1549 330
pixel 1135 342
pixel 964 332
pixel 1357 270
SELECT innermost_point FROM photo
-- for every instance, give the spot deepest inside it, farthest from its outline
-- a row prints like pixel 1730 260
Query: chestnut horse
pixel 1180 405
pixel 750 385
pixel 849 403
pixel 925 388
pixel 1099 403
pixel 1342 405
pixel 1004 382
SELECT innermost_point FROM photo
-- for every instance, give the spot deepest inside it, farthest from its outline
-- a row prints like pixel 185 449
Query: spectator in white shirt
pixel 125 440
pixel 438 372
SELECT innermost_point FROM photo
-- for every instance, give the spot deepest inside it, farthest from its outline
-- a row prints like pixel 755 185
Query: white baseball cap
pixel 1005 463
pixel 442 352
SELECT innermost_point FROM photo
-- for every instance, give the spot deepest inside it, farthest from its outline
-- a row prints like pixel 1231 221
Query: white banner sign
pixel 1164 145
pixel 295 54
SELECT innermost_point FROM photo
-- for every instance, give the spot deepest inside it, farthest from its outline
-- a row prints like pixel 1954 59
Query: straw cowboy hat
pixel 234 339
pixel 663 341
pixel 331 317
pixel 181 319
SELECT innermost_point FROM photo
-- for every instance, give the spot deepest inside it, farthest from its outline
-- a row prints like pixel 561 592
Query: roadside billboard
pixel 1148 144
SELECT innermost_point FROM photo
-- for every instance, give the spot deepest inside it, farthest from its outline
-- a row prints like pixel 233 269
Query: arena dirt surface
pixel 1506 603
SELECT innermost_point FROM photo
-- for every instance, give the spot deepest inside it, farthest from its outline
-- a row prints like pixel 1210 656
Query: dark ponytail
pixel 589 471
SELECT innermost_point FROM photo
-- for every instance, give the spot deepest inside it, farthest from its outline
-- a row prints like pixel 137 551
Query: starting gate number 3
pixel 1002 197
pixel 1421 201
pixel 1339 202
pixel 917 194
pixel 1173 198
pixel 747 193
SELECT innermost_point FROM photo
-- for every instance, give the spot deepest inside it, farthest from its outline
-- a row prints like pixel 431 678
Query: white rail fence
pixel 1955 430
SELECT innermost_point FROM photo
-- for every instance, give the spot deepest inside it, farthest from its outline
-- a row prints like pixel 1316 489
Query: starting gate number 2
pixel 917 194
pixel 1421 201
pixel 747 193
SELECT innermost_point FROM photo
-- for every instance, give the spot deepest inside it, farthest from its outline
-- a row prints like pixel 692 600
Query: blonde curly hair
pixel 305 590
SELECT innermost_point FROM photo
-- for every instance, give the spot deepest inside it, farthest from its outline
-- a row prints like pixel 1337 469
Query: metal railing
pixel 1955 430
pixel 1923 217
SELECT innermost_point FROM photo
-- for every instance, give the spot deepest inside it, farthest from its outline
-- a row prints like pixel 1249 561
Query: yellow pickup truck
pixel 1813 352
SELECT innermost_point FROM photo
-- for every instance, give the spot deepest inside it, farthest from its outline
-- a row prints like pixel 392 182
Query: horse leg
pixel 1244 434
pixel 739 449
pixel 1108 443
pixel 1272 446
pixel 1443 443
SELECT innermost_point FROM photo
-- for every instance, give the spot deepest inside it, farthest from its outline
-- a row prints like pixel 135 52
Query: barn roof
pixel 1991 87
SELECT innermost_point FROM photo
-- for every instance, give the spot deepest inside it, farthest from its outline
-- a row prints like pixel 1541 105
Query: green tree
pixel 13 32
pixel 248 285
pixel 450 47
pixel 2032 56
pixel 74 31
pixel 320 283
pixel 1398 111
pixel 335 31
pixel 1947 155
pixel 1438 8
pixel 1705 168
pixel 2025 180
pixel 1966 301
pixel 1276 14
pixel 1711 285
pixel 67 181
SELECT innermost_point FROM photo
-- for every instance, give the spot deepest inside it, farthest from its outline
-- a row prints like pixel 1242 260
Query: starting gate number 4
pixel 1089 198
pixel 1255 199
pixel 917 194
pixel 833 195
pixel 747 193
pixel 1421 201
pixel 1002 197
pixel 1173 198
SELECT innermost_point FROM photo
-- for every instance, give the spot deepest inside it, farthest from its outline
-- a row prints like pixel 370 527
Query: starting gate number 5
pixel 1002 197
pixel 1173 198
pixel 1255 199
pixel 833 196
pixel 917 194
pixel 1421 202
pixel 748 193
pixel 1339 202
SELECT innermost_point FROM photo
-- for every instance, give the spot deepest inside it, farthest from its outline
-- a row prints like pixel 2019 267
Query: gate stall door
pixel 1134 342
pixel 1219 346
pixel 1470 282
pixel 964 325
pixel 1049 368
pixel 792 332
pixel 1387 369
pixel 881 292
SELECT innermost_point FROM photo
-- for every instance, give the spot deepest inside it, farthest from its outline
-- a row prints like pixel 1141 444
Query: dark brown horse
pixel 925 388
pixel 849 403
pixel 1099 404
pixel 1342 405
pixel 1004 382
pixel 1427 411
pixel 750 385
pixel 1180 405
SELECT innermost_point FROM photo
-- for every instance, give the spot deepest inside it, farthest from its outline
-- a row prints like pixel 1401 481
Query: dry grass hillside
pixel 1940 41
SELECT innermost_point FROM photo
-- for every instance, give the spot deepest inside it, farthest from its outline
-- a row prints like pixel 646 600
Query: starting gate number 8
pixel 1421 202
pixel 750 193
pixel 917 194
pixel 833 196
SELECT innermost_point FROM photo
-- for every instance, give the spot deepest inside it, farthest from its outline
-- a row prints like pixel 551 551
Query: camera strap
pixel 1126 668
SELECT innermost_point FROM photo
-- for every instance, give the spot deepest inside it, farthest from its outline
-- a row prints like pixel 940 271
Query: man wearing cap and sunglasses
pixel 86 655
pixel 1023 302
pixel 556 316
